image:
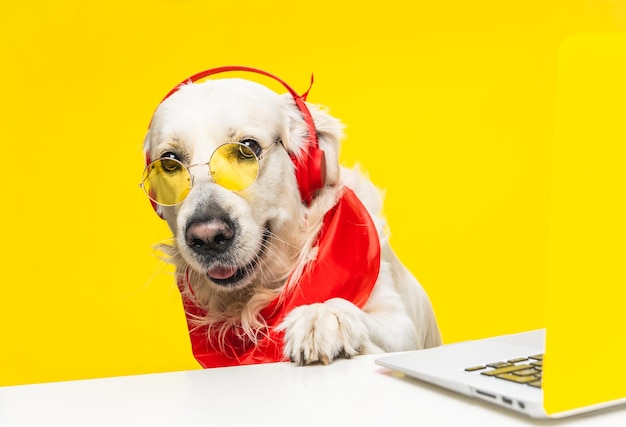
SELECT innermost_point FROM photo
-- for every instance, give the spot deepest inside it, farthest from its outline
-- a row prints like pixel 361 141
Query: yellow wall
pixel 449 106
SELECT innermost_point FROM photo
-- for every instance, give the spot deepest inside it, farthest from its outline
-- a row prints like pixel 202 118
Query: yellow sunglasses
pixel 234 166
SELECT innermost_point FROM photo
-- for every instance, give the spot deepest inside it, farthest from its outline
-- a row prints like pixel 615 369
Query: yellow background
pixel 449 106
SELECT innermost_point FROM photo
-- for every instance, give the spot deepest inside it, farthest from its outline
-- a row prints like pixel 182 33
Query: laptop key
pixel 475 368
pixel 506 369
pixel 499 364
pixel 517 378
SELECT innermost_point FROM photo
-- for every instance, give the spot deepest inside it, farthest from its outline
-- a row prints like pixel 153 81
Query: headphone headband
pixel 206 73
pixel 299 99
pixel 310 166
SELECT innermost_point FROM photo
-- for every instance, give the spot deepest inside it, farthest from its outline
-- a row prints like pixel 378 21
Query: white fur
pixel 200 117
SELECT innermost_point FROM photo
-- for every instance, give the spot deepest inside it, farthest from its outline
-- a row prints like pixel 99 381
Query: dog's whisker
pixel 279 268
pixel 165 242
pixel 277 238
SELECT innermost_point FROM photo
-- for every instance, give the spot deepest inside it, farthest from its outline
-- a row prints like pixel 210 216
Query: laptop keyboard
pixel 522 370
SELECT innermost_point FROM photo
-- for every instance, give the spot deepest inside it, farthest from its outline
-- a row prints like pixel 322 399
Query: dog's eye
pixel 251 148
pixel 169 155
pixel 170 162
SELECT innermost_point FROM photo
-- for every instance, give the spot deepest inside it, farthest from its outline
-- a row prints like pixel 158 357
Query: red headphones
pixel 311 164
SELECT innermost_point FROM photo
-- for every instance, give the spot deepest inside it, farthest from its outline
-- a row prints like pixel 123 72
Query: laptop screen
pixel 586 290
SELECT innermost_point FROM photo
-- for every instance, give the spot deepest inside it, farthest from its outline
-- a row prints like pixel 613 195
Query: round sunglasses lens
pixel 234 166
pixel 167 182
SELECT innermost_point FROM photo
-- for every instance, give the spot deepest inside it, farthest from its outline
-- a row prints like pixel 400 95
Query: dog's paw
pixel 323 332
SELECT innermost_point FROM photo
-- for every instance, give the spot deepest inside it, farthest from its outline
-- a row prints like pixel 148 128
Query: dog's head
pixel 234 234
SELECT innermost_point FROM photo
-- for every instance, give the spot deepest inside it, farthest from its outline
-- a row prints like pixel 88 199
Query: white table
pixel 347 393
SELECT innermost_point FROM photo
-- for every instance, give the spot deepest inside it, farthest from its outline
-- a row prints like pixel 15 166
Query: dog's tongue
pixel 221 272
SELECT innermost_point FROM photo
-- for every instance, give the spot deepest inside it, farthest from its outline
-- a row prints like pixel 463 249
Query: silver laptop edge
pixel 445 367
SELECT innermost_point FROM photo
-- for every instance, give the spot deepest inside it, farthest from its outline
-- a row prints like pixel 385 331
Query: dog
pixel 238 251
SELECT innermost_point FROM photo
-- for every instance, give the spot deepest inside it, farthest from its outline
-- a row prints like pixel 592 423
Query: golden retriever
pixel 223 158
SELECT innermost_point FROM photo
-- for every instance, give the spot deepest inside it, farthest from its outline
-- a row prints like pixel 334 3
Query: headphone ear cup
pixel 310 173
pixel 157 209
pixel 317 170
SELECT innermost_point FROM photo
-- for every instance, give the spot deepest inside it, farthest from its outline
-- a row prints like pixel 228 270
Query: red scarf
pixel 346 266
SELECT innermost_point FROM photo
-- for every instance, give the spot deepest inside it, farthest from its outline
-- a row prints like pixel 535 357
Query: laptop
pixel 571 366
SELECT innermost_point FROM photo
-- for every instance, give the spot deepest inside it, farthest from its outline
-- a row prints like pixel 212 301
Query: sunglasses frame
pixel 258 158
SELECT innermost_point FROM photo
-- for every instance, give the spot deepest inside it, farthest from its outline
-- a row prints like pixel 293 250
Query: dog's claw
pixel 325 360
pixel 302 359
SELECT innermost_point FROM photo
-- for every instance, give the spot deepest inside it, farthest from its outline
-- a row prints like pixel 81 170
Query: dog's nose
pixel 209 237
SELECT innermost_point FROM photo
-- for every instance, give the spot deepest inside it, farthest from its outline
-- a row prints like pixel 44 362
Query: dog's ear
pixel 329 135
